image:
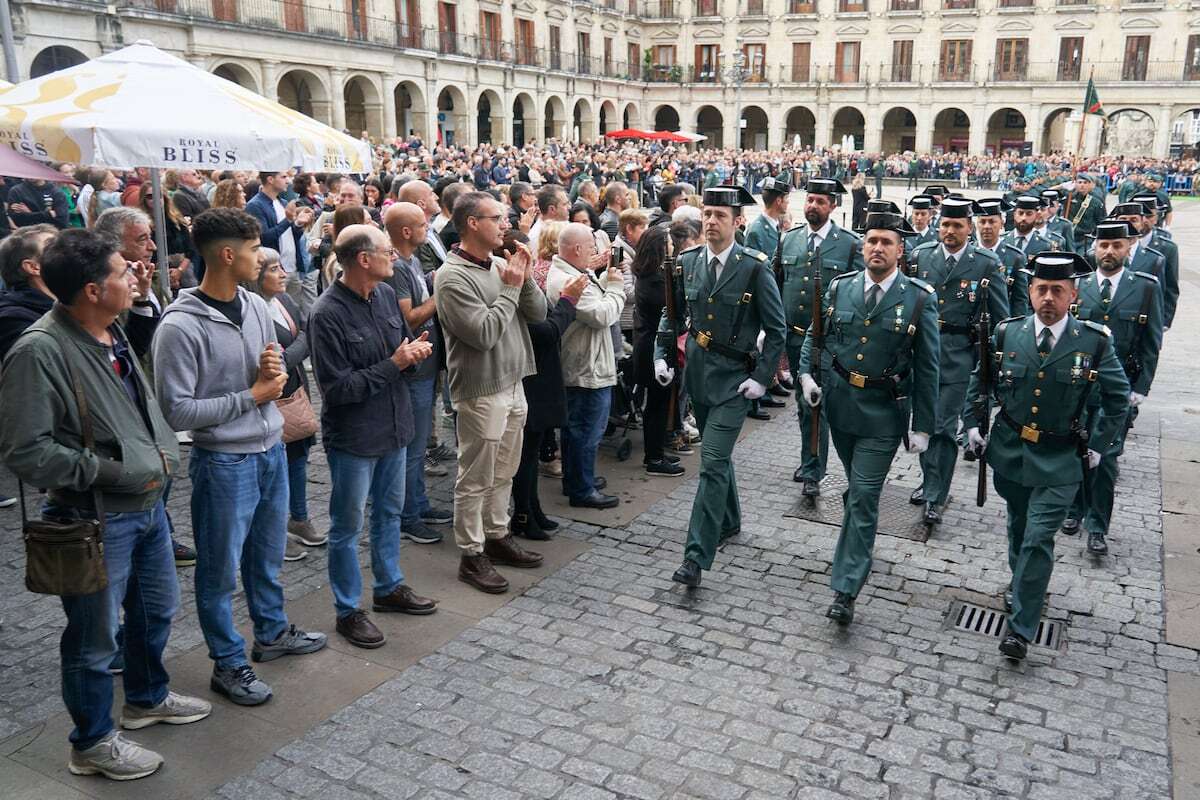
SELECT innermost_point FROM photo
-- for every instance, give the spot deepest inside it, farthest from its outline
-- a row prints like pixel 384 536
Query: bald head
pixel 420 194
pixel 356 240
pixel 576 245
pixel 406 226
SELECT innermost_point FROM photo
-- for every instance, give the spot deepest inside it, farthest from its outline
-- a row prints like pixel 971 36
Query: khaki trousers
pixel 490 433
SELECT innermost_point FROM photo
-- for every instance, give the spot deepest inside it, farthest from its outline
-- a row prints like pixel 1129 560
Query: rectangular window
pixel 956 60
pixel 1137 56
pixel 756 62
pixel 706 8
pixel 664 55
pixel 447 28
pixel 802 7
pixel 666 9
pixel 958 4
pixel 905 5
pixel 1012 59
pixel 583 53
pixel 293 19
pixel 846 62
pixel 356 17
pixel 1016 3
pixel 489 35
pixel 801 61
pixel 1070 58
pixel 555 47
pixel 902 54
pixel 707 68
pixel 851 6
pixel 634 53
pixel 754 8
pixel 608 56
pixel 1191 64
pixel 526 42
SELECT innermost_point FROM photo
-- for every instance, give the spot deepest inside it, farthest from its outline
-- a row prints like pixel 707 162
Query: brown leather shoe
pixel 479 572
pixel 508 553
pixel 357 629
pixel 404 600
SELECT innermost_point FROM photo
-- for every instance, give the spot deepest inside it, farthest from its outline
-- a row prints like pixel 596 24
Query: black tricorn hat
pixel 779 185
pixel 920 201
pixel 1137 209
pixel 888 221
pixel 1150 201
pixel 936 190
pixel 1056 266
pixel 731 196
pixel 830 186
pixel 1028 202
pixel 1115 229
pixel 956 207
pixel 990 207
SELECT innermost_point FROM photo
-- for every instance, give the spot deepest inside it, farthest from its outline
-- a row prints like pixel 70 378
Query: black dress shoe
pixel 595 500
pixel 729 534
pixel 1096 543
pixel 918 496
pixel 933 514
pixel 1070 526
pixel 759 414
pixel 811 489
pixel 778 390
pixel 688 574
pixel 1008 599
pixel 842 609
pixel 787 384
pixel 767 401
pixel 599 482
pixel 663 469
pixel 1014 646
pixel 798 475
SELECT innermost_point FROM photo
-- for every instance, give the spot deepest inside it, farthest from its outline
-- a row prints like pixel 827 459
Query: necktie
pixel 1045 343
pixel 873 296
pixel 1105 291
pixel 1024 242
pixel 813 242
pixel 950 262
pixel 714 266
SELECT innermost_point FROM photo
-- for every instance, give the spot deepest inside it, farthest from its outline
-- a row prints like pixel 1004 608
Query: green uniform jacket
pixel 1086 212
pixel 762 236
pixel 1129 188
pixel 1015 277
pixel 795 274
pixel 1161 241
pixel 1045 397
pixel 877 344
pixel 1123 317
pixel 41 439
pixel 1064 229
pixel 958 302
pixel 1057 240
pixel 712 378
pixel 1037 244
pixel 926 236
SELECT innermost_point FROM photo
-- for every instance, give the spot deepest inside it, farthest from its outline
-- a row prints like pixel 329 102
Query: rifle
pixel 816 329
pixel 984 402
pixel 672 344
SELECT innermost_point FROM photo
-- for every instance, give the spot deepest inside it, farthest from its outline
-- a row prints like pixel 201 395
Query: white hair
pixel 685 212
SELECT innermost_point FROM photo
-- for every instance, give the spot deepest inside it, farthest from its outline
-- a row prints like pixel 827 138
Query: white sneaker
pixel 116 758
pixel 294 551
pixel 175 709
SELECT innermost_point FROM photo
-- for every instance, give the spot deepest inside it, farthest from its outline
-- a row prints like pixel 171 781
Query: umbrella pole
pixel 160 236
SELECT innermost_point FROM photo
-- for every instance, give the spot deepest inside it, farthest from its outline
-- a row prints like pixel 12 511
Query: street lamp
pixel 736 73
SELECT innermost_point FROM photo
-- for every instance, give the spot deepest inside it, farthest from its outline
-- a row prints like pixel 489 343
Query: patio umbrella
pixel 668 136
pixel 628 133
pixel 15 165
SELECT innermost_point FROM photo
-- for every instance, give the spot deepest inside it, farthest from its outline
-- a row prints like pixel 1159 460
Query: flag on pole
pixel 1091 101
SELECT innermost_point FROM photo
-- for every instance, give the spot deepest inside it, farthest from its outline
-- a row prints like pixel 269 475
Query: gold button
pixel 1012 355
pixel 710 316
pixel 805 277
pixel 711 300
pixel 941 302
pixel 863 340
pixel 859 356
pixel 1033 409
pixel 866 322
pixel 1037 392
pixel 1106 317
pixel 1033 425
pixel 1041 375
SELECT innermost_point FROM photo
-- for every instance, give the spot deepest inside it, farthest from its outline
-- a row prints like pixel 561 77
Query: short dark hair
pixel 550 195
pixel 593 217
pixel 668 195
pixel 221 224
pixel 443 183
pixel 452 193
pixel 18 246
pixel 73 259
pixel 518 190
pixel 468 206
pixel 300 182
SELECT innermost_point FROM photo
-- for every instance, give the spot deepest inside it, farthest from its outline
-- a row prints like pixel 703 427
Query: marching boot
pixel 918 496
pixel 811 489
pixel 1096 543
pixel 1070 526
pixel 842 609
pixel 1014 646
pixel 688 574
pixel 933 514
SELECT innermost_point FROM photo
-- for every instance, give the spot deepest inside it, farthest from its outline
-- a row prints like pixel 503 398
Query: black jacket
pixel 649 297
pixel 544 391
pixel 189 201
pixel 38 199
pixel 20 307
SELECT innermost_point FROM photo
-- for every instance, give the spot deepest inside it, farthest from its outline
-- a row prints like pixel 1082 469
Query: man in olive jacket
pixel 129 462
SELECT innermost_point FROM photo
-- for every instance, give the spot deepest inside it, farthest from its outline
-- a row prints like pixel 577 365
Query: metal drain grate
pixel 983 621
pixel 897 517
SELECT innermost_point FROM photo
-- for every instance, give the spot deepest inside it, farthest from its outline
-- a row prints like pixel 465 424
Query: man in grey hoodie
pixel 218 369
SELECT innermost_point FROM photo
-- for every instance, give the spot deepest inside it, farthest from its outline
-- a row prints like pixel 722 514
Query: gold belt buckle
pixel 796 329
pixel 1030 434
pixel 858 380
pixel 703 338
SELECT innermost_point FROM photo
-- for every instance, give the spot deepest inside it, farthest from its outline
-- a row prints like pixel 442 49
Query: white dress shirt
pixel 884 284
pixel 1056 330
pixel 721 257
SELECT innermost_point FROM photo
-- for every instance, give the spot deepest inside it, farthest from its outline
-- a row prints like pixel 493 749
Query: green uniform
pixel 1041 399
pixel 1015 277
pixel 762 235
pixel 1129 187
pixel 726 314
pixel 1161 241
pixel 1164 202
pixel 1064 229
pixel 1036 244
pixel 911 243
pixel 1086 212
pixel 795 267
pixel 1134 315
pixel 959 304
pixel 884 369
pixel 1057 241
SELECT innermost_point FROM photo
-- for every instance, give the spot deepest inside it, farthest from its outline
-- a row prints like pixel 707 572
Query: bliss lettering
pixel 198 155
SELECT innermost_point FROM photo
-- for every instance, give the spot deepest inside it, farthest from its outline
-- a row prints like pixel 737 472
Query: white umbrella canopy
pixel 141 107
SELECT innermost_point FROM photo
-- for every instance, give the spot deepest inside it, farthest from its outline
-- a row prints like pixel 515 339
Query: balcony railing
pixel 662 9
pixel 754 8
pixel 958 5
pixel 1075 3
pixel 802 7
pixel 956 72
pixel 708 8
pixel 904 5
pixel 901 73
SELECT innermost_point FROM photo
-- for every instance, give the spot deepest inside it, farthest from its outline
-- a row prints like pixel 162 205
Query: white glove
pixel 751 389
pixel 1093 458
pixel 1136 399
pixel 762 336
pixel 662 373
pixel 810 391
pixel 918 442
pixel 976 441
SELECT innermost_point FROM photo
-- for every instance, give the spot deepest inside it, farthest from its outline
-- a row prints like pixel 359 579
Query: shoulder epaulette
pixel 757 255
pixel 849 274
pixel 927 246
pixel 1156 251
pixel 1096 326
pixel 690 249
pixel 1146 275
pixel 921 285
pixel 987 254
pixel 1010 319
pixel 851 234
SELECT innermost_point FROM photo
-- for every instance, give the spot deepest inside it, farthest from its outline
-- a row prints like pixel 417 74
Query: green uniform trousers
pixel 1101 488
pixel 1034 515
pixel 812 465
pixel 716 508
pixel 866 460
pixel 937 462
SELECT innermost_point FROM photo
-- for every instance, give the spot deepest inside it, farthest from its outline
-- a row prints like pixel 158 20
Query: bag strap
pixel 747 296
pixel 85 423
pixel 291 323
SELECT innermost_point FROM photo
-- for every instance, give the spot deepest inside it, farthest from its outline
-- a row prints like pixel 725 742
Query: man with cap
pixel 1131 186
pixel 1150 235
pixel 1052 223
pixel 881 363
pixel 1129 302
pixel 1045 367
pixel 989 226
pixel 922 216
pixel 762 234
pixel 964 278
pixel 1154 186
pixel 1024 235
pixel 1084 209
pixel 819 246
pixel 730 296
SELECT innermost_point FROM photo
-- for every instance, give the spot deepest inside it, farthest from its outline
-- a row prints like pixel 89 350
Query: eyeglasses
pixel 494 218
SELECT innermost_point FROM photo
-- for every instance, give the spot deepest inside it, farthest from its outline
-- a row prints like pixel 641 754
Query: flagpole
pixel 1075 156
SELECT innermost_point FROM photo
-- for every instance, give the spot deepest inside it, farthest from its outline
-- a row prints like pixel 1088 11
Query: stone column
pixel 824 128
pixel 337 98
pixel 270 80
pixel 872 129
pixel 389 109
pixel 1162 134
pixel 924 132
pixel 979 127
pixel 1033 127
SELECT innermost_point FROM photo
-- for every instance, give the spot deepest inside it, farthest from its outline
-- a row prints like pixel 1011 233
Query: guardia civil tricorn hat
pixel 1055 266
pixel 730 196
pixel 887 221
pixel 829 186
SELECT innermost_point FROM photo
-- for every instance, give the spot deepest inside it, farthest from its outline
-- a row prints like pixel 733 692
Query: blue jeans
pixel 297 471
pixel 587 417
pixel 354 478
pixel 239 514
pixel 141 576
pixel 420 395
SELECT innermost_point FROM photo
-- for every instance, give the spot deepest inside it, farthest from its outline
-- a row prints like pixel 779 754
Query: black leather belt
pixel 861 381
pixel 1036 435
pixel 705 341
pixel 965 330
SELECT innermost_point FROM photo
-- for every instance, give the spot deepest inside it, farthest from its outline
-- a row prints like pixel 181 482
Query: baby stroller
pixel 623 414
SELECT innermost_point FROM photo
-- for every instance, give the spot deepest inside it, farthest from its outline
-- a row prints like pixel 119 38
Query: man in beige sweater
pixel 484 303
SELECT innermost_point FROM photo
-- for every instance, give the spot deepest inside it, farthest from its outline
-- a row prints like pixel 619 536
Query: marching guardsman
pixel 822 246
pixel 1084 209
pixel 963 276
pixel 1142 257
pixel 762 234
pixel 1129 303
pixel 936 192
pixel 1054 222
pixel 881 347
pixel 1045 213
pixel 1150 235
pixel 1154 186
pixel 1046 366
pixel 729 295
pixel 989 225
pixel 1130 186
pixel 1024 235
pixel 921 218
